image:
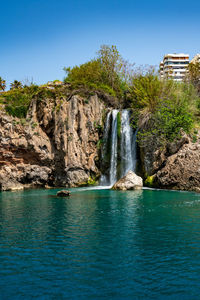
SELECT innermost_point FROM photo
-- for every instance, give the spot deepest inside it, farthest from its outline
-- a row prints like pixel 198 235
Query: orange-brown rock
pixel 56 145
pixel 182 169
pixel 176 166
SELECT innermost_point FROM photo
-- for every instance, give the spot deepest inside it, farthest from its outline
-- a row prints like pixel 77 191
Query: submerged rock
pixel 63 193
pixel 129 182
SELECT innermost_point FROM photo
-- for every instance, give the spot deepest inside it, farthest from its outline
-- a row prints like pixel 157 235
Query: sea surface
pixel 100 244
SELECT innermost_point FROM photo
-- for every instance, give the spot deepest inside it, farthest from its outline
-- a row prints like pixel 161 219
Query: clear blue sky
pixel 40 37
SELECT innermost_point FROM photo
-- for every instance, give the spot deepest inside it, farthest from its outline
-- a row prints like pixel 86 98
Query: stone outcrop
pixel 129 182
pixel 181 170
pixel 55 146
pixel 177 166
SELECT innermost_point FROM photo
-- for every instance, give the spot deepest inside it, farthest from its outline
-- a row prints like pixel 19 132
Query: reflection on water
pixel 99 244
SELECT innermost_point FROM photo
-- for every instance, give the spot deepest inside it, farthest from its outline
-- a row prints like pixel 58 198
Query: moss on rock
pixel 150 181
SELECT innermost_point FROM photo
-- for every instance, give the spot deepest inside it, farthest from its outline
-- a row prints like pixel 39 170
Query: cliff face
pixel 176 167
pixel 181 170
pixel 56 145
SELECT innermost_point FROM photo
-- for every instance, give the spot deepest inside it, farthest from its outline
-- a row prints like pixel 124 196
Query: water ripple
pixel 100 244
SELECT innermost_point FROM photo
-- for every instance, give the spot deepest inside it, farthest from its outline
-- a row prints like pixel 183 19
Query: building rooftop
pixel 176 55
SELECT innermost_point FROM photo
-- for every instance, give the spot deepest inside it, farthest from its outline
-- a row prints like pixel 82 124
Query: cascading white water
pixel 128 144
pixel 113 161
pixel 122 153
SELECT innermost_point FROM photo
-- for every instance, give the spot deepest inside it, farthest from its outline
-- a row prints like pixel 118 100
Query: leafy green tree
pixel 85 74
pixel 16 85
pixel 145 91
pixel 174 111
pixel 2 84
pixel 108 72
pixel 111 62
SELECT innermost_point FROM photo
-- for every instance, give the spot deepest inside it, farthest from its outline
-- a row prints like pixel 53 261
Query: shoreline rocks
pixel 181 170
pixel 175 166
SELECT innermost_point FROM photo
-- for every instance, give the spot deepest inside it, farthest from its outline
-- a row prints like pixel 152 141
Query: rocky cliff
pixel 176 166
pixel 57 144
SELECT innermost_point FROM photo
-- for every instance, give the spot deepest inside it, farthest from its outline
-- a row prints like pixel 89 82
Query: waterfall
pixel 119 152
pixel 113 161
pixel 128 144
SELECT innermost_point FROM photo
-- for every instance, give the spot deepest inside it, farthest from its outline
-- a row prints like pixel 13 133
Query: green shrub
pixel 87 74
pixel 99 144
pixel 17 111
pixel 194 138
pixel 108 73
pixel 17 101
pixel 146 91
pixel 149 181
pixel 169 108
pixel 107 89
pixel 92 181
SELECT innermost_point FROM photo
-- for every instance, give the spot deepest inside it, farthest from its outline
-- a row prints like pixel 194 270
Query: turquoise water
pixel 100 245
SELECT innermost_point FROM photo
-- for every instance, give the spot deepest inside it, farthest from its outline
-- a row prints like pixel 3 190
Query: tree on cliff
pixel 108 72
pixel 163 108
pixel 194 75
pixel 146 90
pixel 16 85
pixel 111 63
pixel 2 84
pixel 117 72
pixel 87 75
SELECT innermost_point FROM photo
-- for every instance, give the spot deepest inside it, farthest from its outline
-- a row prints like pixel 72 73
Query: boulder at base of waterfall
pixel 129 182
pixel 63 193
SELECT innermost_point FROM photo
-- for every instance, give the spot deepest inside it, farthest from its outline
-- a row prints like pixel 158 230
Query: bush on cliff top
pixel 145 91
pixel 108 73
pixel 17 101
pixel 193 75
pixel 167 106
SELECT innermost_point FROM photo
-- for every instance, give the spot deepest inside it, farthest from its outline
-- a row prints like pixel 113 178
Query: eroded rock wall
pixel 56 145
pixel 176 166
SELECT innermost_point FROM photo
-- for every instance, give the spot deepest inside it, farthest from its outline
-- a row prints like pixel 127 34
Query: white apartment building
pixel 196 59
pixel 174 66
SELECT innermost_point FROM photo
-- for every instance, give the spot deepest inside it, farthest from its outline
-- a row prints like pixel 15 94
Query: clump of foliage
pixel 17 101
pixel 149 181
pixel 194 75
pixel 99 144
pixel 85 74
pixel 145 91
pixel 92 181
pixel 2 84
pixel 167 106
pixel 108 72
pixel 16 85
